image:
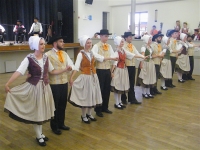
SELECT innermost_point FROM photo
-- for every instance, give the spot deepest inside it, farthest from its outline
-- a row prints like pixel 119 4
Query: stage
pixel 12 55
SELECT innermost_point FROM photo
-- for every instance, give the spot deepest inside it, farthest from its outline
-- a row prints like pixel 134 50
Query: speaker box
pixel 59 16
pixel 89 2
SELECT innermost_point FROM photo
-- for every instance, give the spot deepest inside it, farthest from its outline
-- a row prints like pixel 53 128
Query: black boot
pixel 156 91
pixel 152 91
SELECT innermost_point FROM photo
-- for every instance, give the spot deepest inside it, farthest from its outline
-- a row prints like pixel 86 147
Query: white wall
pixel 168 13
pixel 85 26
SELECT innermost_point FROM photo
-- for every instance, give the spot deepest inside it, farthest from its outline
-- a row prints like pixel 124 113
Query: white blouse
pixel 143 49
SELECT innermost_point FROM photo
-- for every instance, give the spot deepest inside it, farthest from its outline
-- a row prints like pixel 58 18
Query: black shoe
pixel 173 86
pixel 87 122
pixel 122 105
pixel 135 102
pixel 40 143
pixel 191 79
pixel 164 88
pixel 157 92
pixel 89 117
pixel 99 114
pixel 152 93
pixel 118 106
pixel 145 95
pixel 150 96
pixel 63 127
pixel 170 86
pixel 45 138
pixel 124 102
pixel 57 131
pixel 181 81
pixel 107 111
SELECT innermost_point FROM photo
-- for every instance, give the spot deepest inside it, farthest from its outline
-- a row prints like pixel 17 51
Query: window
pixel 141 19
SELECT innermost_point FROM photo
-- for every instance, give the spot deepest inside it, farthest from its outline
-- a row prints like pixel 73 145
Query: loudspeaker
pixel 89 2
pixel 59 16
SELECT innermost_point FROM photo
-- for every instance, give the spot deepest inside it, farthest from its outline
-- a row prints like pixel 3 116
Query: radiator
pixel 10 66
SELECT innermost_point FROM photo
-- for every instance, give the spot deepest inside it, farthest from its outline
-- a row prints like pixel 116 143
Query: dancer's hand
pixel 71 82
pixel 69 68
pixel 7 89
pixel 112 75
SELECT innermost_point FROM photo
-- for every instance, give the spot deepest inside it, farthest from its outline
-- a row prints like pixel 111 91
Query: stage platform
pixel 12 55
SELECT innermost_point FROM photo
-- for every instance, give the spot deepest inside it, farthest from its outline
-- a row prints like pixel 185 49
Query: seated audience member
pixel 196 35
pixel 178 28
pixel 19 31
pixel 153 30
pixel 185 29
pixel 2 34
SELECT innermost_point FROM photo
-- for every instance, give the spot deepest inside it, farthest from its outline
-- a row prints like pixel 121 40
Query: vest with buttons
pixel 127 61
pixel 122 58
pixel 60 78
pixel 87 66
pixel 156 52
pixel 105 64
pixel 173 46
pixel 191 51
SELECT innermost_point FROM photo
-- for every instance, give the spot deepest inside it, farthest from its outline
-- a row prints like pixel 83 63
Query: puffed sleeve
pixel 78 62
pixel 96 55
pixel 23 66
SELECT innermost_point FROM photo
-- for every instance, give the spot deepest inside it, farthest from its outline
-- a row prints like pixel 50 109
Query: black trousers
pixel 189 75
pixel 157 67
pixel 173 63
pixel 104 76
pixel 19 37
pixel 60 92
pixel 2 37
pixel 131 93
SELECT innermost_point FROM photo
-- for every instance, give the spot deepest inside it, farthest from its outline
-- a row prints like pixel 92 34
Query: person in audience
pixel 96 36
pixel 182 63
pixel 59 83
pixel 32 102
pixel 103 70
pixel 196 35
pixel 178 28
pixel 153 30
pixel 157 57
pixel 19 31
pixel 185 29
pixel 85 92
pixel 165 66
pixel 128 46
pixel 147 72
pixel 191 48
pixel 36 28
pixel 2 34
pixel 120 79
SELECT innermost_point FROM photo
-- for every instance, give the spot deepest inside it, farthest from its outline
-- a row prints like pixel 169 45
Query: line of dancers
pixel 43 97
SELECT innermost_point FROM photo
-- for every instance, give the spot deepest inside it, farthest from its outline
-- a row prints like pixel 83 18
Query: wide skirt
pixel 85 92
pixel 147 75
pixel 120 82
pixel 183 64
pixel 166 69
pixel 30 104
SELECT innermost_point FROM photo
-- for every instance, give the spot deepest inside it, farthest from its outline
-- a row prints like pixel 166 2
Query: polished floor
pixel 170 121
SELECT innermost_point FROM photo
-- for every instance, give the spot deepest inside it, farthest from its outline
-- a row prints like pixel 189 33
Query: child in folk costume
pixel 147 74
pixel 120 79
pixel 165 67
pixel 182 63
pixel 85 92
pixel 32 102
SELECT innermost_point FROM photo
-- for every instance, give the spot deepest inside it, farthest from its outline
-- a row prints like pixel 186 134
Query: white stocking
pixel 147 90
pixel 143 90
pixel 116 98
pixel 38 132
pixel 162 80
pixel 179 75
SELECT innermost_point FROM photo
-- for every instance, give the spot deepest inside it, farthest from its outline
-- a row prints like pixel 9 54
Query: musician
pixel 185 29
pixel 19 31
pixel 36 28
pixel 2 34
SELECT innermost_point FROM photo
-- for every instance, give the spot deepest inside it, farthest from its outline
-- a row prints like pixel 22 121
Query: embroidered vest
pixel 157 52
pixel 86 66
pixel 127 61
pixel 191 51
pixel 60 78
pixel 105 64
pixel 122 58
pixel 35 70
pixel 173 46
pixel 147 53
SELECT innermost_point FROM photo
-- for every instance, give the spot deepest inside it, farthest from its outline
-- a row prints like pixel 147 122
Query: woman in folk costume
pixel 183 62
pixel 32 102
pixel 120 79
pixel 147 74
pixel 85 91
pixel 165 67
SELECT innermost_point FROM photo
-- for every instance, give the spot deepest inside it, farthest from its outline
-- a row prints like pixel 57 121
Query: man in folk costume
pixel 103 70
pixel 128 46
pixel 172 34
pixel 59 83
pixel 157 57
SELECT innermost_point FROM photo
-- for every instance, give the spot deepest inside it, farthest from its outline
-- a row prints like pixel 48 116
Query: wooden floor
pixel 170 121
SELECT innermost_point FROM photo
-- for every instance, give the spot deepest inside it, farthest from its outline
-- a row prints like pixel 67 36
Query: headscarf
pixel 117 40
pixel 83 39
pixel 146 38
pixel 34 42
